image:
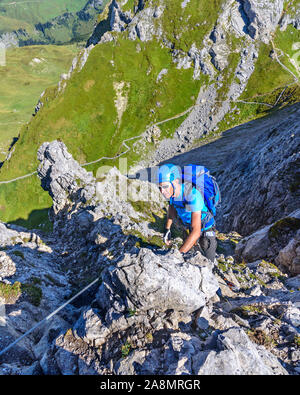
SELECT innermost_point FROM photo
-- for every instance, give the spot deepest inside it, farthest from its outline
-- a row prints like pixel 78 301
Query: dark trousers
pixel 207 245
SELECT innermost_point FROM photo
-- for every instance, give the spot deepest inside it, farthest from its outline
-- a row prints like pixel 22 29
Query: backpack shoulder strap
pixel 187 189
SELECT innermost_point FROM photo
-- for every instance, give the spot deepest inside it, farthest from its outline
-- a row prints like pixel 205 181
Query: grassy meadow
pixel 20 14
pixel 28 72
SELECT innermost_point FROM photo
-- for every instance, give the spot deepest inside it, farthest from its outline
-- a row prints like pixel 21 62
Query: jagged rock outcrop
pixel 61 175
pixel 82 201
pixel 8 40
pixel 292 16
pixel 289 257
pixel 118 19
pixel 236 354
pixel 278 242
pixel 263 17
pixel 133 298
pixel 139 25
pixel 186 286
pixel 31 286
pixel 143 26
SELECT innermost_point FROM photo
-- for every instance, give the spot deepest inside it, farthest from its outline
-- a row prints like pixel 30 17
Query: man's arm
pixel 195 233
pixel 170 216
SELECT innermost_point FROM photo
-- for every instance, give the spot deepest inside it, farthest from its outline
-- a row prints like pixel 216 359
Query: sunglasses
pixel 161 187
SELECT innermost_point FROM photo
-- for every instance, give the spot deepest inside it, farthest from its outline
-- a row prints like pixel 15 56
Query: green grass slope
pixel 116 96
pixel 49 22
pixel 270 83
pixel 28 71
pixel 27 13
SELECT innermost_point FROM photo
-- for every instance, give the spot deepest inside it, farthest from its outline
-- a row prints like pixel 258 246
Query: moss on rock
pixel 284 225
pixel 10 292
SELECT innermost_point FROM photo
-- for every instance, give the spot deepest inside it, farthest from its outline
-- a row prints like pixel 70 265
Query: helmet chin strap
pixel 173 189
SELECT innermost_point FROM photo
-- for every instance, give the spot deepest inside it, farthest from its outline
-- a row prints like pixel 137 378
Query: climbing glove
pixel 167 236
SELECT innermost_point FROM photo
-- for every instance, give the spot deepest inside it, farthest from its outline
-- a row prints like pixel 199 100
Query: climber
pixel 186 201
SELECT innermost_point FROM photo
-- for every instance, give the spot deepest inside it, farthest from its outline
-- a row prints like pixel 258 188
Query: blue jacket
pixel 189 202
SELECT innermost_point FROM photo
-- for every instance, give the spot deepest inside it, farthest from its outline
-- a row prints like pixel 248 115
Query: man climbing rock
pixel 193 195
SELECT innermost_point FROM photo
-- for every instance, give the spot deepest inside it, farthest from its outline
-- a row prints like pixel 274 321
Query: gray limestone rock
pixel 259 181
pixel 66 362
pixel 278 242
pixel 219 55
pixel 61 175
pixel 49 364
pixel 263 16
pixel 118 19
pixel 142 25
pixel 292 315
pixel 133 364
pixel 48 335
pixel 148 285
pixel 254 246
pixel 291 16
pixel 289 256
pixel 9 40
pixel 151 281
pixel 229 353
pixel 236 355
pixel 293 283
pixel 7 265
pixel 91 328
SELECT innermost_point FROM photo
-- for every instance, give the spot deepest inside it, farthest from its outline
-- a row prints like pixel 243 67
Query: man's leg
pixel 208 244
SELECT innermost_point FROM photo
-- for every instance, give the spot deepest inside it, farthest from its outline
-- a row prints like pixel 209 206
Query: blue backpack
pixel 200 178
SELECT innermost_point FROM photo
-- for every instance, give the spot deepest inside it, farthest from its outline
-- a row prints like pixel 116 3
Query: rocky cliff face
pixel 151 312
pixel 260 180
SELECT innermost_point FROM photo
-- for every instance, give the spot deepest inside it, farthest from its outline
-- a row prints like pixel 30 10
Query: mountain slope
pixel 163 74
pixel 26 14
pixel 35 11
pixel 27 72
pixel 48 22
